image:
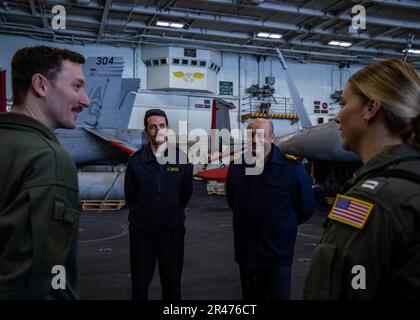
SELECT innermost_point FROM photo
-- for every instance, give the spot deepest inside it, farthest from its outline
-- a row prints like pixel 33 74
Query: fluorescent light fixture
pixel 413 51
pixel 339 43
pixel 275 36
pixel 345 44
pixel 169 24
pixel 334 43
pixel 176 25
pixel 162 24
pixel 263 34
pixel 269 35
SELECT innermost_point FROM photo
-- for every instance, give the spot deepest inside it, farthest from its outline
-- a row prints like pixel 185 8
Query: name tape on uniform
pixel 351 211
pixel 172 169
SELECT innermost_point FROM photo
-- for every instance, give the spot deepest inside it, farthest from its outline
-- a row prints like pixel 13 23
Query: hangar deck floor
pixel 209 268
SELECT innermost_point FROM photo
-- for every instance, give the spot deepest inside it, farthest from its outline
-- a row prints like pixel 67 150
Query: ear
pixel 40 84
pixel 372 111
pixel 272 137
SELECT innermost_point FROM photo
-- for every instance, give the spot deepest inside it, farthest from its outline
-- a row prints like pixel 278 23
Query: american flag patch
pixel 350 211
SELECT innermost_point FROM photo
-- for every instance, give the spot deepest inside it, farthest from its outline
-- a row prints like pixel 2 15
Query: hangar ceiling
pixel 307 27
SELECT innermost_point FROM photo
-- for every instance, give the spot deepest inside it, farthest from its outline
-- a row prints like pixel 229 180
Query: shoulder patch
pixel 351 211
pixel 371 186
pixel 290 157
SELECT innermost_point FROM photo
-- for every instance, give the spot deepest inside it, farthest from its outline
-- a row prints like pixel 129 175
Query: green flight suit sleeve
pixel 41 226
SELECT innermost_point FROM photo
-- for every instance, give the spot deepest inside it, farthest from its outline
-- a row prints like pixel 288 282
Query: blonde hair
pixel 396 86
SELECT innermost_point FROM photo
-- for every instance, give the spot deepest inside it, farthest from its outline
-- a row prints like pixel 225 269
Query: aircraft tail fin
pixel 220 119
pixel 220 114
pixel 297 102
pixel 112 98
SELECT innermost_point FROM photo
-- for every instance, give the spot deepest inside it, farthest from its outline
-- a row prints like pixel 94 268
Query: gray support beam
pixel 275 43
pixel 270 25
pixel 104 18
pixel 32 6
pixel 36 14
pixel 225 34
pixel 240 21
pixel 410 4
pixel 320 13
pixel 43 17
pixel 86 36
pixel 390 30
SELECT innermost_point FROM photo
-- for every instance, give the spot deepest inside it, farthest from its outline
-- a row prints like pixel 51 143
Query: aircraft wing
pixel 297 102
pixel 217 174
pixel 115 142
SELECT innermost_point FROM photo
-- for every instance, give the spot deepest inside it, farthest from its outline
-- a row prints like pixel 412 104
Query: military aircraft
pixel 102 135
pixel 332 165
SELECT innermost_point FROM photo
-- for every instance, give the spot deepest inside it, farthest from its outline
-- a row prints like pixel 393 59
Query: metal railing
pixel 278 105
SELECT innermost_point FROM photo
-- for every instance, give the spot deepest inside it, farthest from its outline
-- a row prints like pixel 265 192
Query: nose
pixel 85 101
pixel 337 118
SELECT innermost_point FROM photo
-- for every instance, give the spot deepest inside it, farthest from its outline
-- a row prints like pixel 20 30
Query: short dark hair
pixel 40 59
pixel 154 112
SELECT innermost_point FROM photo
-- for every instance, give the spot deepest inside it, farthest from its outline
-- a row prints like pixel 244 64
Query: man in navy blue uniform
pixel 267 209
pixel 157 194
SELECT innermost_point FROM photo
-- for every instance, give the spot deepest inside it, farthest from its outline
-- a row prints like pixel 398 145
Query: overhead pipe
pixel 251 21
pixel 399 3
pixel 197 31
pixel 284 8
pixel 261 23
pixel 222 46
pixel 200 31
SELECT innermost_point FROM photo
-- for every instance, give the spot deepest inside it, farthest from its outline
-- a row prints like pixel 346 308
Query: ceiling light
pixel 275 36
pixel 334 43
pixel 176 25
pixel 340 43
pixel 162 24
pixel 345 44
pixel 263 35
pixel 413 51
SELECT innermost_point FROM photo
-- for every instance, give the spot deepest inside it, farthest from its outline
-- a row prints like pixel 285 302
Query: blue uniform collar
pixel 146 154
pixel 276 155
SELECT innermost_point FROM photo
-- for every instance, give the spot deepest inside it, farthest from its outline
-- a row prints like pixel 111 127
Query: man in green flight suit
pixel 38 180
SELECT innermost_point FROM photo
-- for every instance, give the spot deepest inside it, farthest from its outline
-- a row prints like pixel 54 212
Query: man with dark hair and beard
pixel 39 200
pixel 157 194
